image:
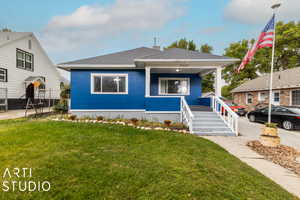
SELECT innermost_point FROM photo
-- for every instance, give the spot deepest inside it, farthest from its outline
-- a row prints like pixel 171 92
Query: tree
pixel 287 55
pixel 183 44
pixel 205 48
pixel 5 30
pixel 209 79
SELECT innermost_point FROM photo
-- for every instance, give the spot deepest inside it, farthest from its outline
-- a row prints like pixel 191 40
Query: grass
pixel 96 161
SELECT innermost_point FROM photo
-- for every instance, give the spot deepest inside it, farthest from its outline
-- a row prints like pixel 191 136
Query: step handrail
pixel 226 113
pixel 187 115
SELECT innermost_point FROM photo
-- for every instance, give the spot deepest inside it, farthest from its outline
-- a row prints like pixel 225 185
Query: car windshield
pixel 295 110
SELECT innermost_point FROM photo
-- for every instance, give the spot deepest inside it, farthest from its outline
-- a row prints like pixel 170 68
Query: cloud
pixel 258 11
pixel 94 24
pixel 212 30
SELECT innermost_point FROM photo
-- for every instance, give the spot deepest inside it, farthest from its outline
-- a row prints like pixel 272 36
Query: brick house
pixel 286 90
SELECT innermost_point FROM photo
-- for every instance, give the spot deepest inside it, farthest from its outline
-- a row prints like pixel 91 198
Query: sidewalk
pixel 237 147
pixel 13 114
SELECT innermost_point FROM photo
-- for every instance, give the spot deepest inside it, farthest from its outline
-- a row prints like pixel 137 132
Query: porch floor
pixel 201 108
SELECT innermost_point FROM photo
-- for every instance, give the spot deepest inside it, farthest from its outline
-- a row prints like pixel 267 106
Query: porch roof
pixel 140 57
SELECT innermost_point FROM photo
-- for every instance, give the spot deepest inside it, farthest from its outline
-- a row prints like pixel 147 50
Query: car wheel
pixel 252 118
pixel 287 125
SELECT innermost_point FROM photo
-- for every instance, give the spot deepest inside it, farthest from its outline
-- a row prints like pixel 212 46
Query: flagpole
pixel 274 7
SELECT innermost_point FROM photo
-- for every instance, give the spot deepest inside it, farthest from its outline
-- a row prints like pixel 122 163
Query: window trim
pixel 291 97
pixel 273 97
pixel 247 98
pixel 106 74
pixel 5 77
pixel 174 78
pixel 24 61
pixel 259 96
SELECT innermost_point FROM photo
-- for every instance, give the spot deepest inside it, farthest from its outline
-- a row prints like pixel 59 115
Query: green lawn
pixel 94 161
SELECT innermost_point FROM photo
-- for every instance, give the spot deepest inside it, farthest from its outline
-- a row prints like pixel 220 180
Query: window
pixel 24 60
pixel 3 75
pixel 276 98
pixel 263 96
pixel 296 97
pixel 174 86
pixel 109 83
pixel 249 98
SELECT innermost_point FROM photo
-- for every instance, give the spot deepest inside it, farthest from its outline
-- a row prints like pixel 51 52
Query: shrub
pixel 271 125
pixel 99 118
pixel 61 106
pixel 72 117
pixel 134 121
pixel 178 126
pixel 167 122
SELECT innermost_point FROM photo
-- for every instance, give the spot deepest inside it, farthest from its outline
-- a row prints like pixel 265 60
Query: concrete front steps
pixel 209 123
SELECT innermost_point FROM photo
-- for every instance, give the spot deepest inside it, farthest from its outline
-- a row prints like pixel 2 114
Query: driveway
pixel 251 131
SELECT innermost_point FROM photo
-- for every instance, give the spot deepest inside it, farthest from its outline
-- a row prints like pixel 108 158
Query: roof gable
pixel 8 37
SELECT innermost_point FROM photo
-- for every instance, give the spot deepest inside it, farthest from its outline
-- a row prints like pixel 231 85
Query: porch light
pixel 117 79
pixel 178 70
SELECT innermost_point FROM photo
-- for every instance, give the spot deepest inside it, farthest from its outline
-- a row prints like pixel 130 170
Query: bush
pixel 167 122
pixel 271 125
pixel 178 126
pixel 134 121
pixel 99 118
pixel 61 106
pixel 72 117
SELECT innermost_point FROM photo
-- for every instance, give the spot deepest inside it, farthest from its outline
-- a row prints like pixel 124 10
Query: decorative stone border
pixel 123 124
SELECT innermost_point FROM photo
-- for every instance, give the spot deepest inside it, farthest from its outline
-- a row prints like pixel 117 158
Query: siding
pixel 16 76
pixel 83 99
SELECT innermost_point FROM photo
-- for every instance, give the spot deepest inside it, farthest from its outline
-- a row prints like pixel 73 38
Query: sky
pixel 75 29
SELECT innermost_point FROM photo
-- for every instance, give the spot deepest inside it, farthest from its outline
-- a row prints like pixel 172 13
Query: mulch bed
pixel 282 155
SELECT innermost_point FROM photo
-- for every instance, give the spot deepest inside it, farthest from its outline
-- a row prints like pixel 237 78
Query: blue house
pixel 148 83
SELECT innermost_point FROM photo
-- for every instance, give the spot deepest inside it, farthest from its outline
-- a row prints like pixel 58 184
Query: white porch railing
pixel 186 114
pixel 225 112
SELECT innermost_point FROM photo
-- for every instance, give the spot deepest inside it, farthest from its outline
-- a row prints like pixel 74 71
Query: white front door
pixel 276 98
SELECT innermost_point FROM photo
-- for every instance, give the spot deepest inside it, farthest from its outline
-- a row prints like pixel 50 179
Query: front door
pixel 276 98
pixel 30 91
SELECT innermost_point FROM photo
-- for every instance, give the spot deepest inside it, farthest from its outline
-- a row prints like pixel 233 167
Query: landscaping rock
pixel 282 155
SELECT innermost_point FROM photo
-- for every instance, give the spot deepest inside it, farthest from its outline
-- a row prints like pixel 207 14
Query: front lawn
pixel 97 161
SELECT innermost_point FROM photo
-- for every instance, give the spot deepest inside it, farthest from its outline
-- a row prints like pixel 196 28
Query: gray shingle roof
pixel 289 78
pixel 128 57
pixel 119 58
pixel 176 53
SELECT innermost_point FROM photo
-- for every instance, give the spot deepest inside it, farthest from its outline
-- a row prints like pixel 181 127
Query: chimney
pixel 155 46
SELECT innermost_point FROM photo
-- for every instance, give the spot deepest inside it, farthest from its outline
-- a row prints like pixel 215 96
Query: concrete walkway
pixel 237 147
pixel 13 114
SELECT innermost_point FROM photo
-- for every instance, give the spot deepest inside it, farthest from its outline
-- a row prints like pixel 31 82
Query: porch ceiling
pixel 182 70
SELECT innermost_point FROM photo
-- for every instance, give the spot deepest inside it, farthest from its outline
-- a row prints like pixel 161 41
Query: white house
pixel 23 62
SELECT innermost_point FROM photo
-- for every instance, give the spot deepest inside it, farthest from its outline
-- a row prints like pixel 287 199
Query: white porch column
pixel 218 82
pixel 147 81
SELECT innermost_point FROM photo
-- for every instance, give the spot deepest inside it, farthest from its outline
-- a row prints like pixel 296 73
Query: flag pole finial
pixel 277 5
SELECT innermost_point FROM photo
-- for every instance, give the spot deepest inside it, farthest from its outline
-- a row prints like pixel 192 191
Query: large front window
pixel 109 83
pixel 296 97
pixel 174 86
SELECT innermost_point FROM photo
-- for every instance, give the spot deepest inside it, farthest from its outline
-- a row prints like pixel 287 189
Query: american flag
pixel 265 40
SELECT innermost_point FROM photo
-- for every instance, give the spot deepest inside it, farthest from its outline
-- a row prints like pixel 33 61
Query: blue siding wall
pixel 81 97
pixel 163 104
pixel 195 86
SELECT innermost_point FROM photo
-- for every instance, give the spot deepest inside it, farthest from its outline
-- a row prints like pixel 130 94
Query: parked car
pixel 286 117
pixel 240 110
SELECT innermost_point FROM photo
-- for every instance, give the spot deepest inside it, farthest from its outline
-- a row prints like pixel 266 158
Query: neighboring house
pixel 286 90
pixel 22 63
pixel 144 83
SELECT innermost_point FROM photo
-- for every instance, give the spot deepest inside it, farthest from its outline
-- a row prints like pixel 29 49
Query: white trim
pixel 108 110
pixel 272 99
pixel 108 74
pixel 218 82
pixel 162 112
pixel 164 96
pixel 147 81
pixel 173 78
pixel 291 97
pixel 186 60
pixel 247 98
